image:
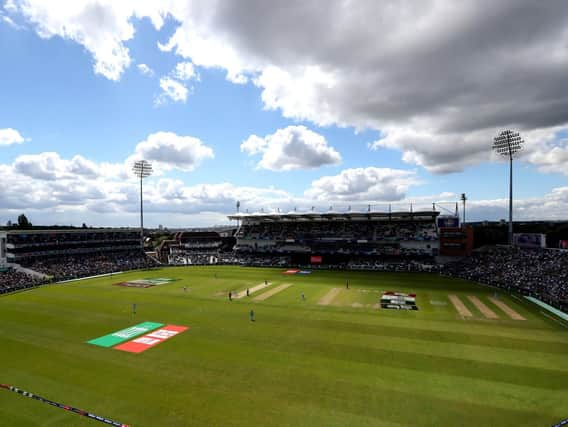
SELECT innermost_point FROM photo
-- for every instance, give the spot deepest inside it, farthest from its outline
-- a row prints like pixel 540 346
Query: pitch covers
pixel 153 336
pixel 124 334
pixel 398 301
pixel 152 339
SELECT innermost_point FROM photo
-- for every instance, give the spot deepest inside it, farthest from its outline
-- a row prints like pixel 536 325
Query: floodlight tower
pixel 463 199
pixel 142 169
pixel 508 143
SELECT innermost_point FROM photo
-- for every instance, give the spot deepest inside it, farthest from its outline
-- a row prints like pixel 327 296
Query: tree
pixel 84 225
pixel 23 221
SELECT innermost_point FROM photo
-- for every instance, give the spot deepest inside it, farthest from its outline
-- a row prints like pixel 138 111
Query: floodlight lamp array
pixel 142 169
pixel 507 143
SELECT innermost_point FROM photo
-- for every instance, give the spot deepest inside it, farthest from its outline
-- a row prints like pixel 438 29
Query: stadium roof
pixel 331 215
pixel 69 230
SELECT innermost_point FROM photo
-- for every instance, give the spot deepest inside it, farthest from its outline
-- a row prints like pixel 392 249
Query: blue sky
pixel 330 130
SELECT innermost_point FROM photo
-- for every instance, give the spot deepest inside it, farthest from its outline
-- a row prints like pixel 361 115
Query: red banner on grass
pixel 315 259
pixel 152 339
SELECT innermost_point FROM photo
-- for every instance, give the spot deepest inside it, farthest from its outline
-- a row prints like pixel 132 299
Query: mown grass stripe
pixel 299 364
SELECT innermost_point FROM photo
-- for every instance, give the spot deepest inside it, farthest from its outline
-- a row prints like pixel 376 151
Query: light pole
pixel 463 199
pixel 238 209
pixel 507 143
pixel 142 169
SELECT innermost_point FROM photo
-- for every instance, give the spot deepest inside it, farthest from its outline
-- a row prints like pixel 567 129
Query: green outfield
pixel 332 358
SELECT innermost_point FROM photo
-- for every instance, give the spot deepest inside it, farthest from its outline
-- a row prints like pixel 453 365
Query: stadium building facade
pixel 25 246
pixel 3 260
pixel 336 237
pixel 34 257
pixel 196 247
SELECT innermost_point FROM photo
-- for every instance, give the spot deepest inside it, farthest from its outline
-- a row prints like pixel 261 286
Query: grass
pixel 299 364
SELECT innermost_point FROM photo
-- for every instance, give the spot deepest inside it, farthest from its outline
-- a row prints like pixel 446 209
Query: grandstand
pixel 24 246
pixel 31 257
pixel 198 247
pixel 338 237
pixel 3 260
pixel 536 272
pixel 395 241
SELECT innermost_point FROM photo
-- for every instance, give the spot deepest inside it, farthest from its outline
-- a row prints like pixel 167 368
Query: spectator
pixel 541 273
pixel 75 266
pixel 12 280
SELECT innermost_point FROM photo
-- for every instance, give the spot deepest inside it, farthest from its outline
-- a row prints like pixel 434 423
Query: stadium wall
pixel 3 260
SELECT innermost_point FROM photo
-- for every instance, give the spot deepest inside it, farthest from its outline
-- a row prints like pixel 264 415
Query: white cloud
pixel 184 71
pixel 437 152
pixel 439 90
pixel 84 189
pixel 168 150
pixel 294 92
pixel 10 136
pixel 254 145
pixel 10 6
pixel 172 89
pixel 294 147
pixel 551 206
pixel 196 39
pixel 101 26
pixel 173 86
pixel 10 22
pixel 368 185
pixel 54 190
pixel 45 181
pixel 50 166
pixel 145 70
pixel 175 196
pixel 547 150
pixel 62 191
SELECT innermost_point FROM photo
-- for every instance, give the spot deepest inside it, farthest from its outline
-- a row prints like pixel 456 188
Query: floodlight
pixel 142 169
pixel 463 199
pixel 508 143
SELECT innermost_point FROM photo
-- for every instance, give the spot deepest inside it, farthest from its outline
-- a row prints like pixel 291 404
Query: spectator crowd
pixel 540 273
pixel 73 267
pixel 12 280
pixel 339 230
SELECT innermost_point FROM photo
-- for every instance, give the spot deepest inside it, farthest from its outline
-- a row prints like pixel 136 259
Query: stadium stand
pixel 70 254
pixel 22 246
pixel 540 273
pixel 12 280
pixel 375 241
pixel 339 236
pixel 198 248
pixel 76 266
pixel 398 241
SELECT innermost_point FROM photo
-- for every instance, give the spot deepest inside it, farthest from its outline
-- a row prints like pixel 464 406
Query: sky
pixel 279 105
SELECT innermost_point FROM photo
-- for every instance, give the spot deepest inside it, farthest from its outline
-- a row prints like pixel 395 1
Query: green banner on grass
pixel 125 334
